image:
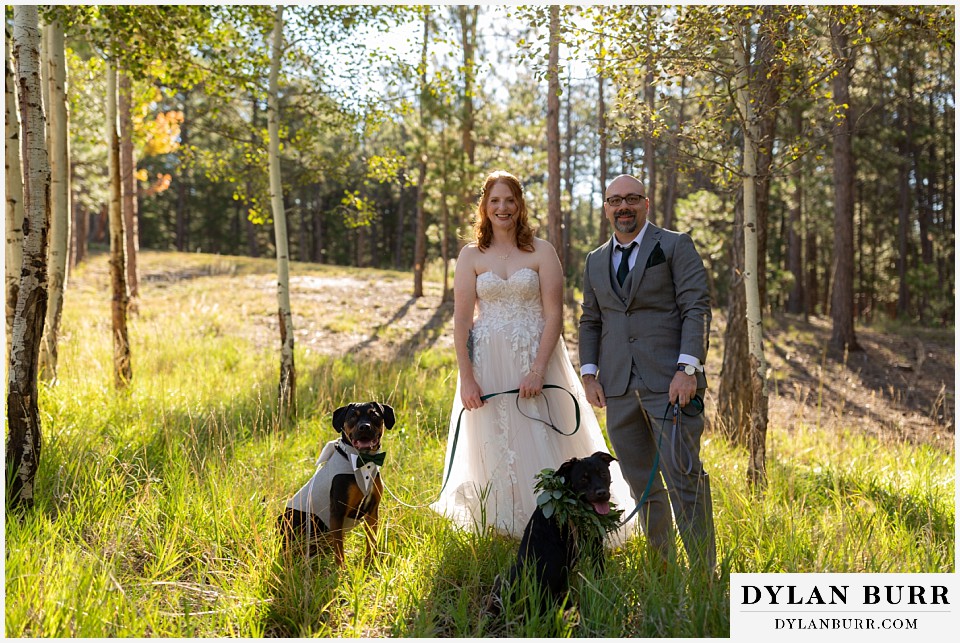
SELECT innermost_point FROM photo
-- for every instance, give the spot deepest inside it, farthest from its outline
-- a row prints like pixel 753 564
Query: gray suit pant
pixel 634 425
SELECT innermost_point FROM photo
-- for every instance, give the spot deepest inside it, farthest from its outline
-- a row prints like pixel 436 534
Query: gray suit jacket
pixel 663 311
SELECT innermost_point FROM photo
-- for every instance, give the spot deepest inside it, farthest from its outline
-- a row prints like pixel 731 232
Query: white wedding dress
pixel 498 450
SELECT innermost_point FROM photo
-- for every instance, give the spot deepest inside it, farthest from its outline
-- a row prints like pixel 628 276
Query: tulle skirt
pixel 501 447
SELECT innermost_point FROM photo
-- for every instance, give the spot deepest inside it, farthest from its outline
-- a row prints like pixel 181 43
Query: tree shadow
pixel 422 339
pixel 912 375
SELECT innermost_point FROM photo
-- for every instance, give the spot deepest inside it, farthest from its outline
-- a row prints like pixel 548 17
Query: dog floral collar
pixel 556 498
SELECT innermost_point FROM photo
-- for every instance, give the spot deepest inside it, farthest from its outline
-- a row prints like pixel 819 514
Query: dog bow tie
pixel 375 458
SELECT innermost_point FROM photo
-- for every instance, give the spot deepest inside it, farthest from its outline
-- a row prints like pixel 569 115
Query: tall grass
pixel 156 506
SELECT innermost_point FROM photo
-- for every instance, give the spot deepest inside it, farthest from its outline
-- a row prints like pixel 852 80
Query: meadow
pixel 157 505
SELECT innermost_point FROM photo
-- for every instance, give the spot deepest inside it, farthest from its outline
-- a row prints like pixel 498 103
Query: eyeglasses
pixel 631 199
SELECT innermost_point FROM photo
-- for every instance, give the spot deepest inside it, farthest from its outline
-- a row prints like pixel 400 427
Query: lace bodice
pixel 510 308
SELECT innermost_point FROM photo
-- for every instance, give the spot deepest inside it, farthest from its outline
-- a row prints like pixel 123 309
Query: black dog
pixel 553 549
pixel 347 487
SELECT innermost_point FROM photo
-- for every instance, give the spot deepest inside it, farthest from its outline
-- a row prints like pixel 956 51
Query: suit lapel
pixel 606 261
pixel 650 239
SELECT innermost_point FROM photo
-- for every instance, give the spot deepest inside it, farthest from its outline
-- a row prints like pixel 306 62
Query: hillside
pixel 901 387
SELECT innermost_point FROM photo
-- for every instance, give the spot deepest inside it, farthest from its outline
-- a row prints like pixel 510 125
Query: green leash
pixel 698 404
pixel 484 398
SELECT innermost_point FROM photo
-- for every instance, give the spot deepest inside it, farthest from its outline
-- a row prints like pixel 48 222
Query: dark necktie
pixel 624 266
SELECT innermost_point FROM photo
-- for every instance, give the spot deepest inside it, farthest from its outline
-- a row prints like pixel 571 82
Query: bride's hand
pixel 470 395
pixel 532 384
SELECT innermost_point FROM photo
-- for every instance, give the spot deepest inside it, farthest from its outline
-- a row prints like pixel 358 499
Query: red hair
pixel 481 224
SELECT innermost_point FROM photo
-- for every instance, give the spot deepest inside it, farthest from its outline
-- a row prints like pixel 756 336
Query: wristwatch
pixel 689 369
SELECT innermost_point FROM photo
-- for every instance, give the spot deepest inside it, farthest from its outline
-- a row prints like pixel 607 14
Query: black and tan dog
pixel 346 488
pixel 553 548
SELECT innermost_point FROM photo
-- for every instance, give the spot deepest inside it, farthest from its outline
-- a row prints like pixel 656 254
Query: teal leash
pixel 698 404
pixel 484 398
pixel 656 463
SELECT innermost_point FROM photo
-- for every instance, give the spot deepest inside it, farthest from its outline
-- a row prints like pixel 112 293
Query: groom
pixel 643 340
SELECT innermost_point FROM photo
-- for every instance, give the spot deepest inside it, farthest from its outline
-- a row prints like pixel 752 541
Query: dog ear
pixel 339 416
pixel 389 419
pixel 606 457
pixel 566 469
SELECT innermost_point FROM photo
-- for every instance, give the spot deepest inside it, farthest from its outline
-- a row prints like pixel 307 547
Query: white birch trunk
pixel 287 388
pixel 23 415
pixel 118 282
pixel 59 235
pixel 420 240
pixel 128 181
pixel 756 469
pixel 14 189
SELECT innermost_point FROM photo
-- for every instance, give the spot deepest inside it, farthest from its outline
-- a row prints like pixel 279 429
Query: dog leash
pixel 484 398
pixel 677 412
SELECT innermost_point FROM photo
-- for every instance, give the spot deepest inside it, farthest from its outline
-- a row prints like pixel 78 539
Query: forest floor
pixel 901 386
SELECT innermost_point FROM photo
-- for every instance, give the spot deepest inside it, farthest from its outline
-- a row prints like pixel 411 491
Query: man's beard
pixel 625 227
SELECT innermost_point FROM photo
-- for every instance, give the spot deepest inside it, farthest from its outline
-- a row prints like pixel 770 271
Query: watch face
pixel 689 369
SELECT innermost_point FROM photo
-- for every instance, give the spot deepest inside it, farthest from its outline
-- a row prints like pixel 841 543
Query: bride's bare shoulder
pixel 470 251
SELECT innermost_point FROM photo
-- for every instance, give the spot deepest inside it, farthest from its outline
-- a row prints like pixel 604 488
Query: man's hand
pixel 594 391
pixel 683 388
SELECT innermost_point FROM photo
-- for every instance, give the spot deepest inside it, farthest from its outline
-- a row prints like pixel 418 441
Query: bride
pixel 515 283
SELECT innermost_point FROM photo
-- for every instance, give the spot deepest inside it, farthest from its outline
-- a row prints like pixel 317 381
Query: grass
pixel 156 506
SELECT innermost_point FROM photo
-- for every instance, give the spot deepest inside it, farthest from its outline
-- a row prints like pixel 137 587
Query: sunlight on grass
pixel 157 506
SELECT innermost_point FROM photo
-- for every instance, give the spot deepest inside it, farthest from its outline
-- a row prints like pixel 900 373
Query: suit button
pixel 632 340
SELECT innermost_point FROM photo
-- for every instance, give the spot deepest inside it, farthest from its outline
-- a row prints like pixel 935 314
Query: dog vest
pixel 336 458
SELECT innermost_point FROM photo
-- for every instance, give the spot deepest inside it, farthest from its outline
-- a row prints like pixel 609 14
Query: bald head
pixel 630 212
pixel 625 184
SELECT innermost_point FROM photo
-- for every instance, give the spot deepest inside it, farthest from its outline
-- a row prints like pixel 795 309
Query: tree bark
pixel 795 231
pixel 319 230
pixel 843 337
pixel 445 241
pixel 288 375
pixel 398 231
pixel 59 233
pixel 128 178
pixel 569 171
pixel 253 248
pixel 734 402
pixel 468 39
pixel 23 413
pixel 123 371
pixel 670 200
pixel 650 149
pixel 182 229
pixel 13 259
pixel 903 228
pixel 420 238
pixel 602 131
pixel 811 281
pixel 78 238
pixel 554 215
pixel 756 468
pixel 766 79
